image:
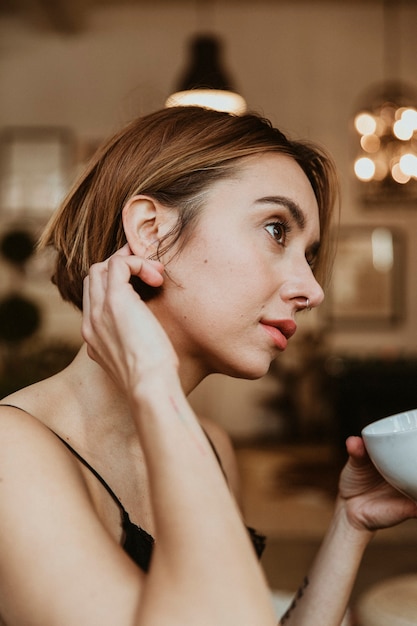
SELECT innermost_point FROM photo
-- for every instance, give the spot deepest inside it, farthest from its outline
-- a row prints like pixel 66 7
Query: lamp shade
pixel 205 82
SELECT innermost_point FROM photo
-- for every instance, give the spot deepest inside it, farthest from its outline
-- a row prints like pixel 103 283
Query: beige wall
pixel 304 64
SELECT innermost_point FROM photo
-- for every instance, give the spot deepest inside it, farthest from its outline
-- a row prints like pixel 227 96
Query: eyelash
pixel 284 227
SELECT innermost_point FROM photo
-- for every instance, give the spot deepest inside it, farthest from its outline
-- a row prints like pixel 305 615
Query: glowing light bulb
pixel 364 168
pixel 365 123
pixel 408 164
pixel 403 130
pixel 216 99
pixel 398 175
pixel 370 143
pixel 410 118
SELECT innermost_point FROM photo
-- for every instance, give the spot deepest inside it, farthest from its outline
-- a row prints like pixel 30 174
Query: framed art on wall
pixel 367 285
pixel 34 169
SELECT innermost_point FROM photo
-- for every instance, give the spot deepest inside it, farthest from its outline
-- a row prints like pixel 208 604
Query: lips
pixel 280 331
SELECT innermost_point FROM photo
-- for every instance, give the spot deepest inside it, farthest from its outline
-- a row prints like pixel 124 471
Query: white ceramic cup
pixel 392 446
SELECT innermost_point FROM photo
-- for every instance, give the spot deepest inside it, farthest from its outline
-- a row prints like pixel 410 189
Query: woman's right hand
pixel 122 334
pixel 370 502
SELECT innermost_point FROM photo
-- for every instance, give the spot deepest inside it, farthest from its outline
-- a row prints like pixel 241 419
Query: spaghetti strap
pixel 137 542
pixel 80 458
pixel 91 468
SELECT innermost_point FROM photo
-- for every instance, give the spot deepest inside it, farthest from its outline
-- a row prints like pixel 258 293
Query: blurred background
pixel 342 73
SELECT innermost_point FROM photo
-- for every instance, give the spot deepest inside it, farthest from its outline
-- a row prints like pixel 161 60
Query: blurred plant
pixel 303 401
pixel 31 363
pixel 17 246
pixel 20 318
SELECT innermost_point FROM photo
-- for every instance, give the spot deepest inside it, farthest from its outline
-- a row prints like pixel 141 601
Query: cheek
pixel 228 274
pixel 221 270
pixel 237 288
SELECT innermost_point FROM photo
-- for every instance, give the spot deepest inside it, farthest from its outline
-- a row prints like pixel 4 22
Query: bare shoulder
pixel 47 517
pixel 24 439
pixel 18 430
pixel 224 447
pixel 33 457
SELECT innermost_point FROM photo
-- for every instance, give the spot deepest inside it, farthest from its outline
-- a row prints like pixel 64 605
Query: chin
pixel 251 372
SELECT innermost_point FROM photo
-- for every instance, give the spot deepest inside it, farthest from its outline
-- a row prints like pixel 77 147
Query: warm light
pixel 387 157
pixel 364 168
pixel 370 143
pixel 205 82
pixel 386 141
pixel 408 164
pixel 382 250
pixel 402 130
pixel 398 174
pixel 410 118
pixel 216 99
pixel 365 123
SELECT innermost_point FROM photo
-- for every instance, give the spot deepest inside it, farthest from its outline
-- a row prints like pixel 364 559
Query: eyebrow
pixel 296 213
pixel 294 209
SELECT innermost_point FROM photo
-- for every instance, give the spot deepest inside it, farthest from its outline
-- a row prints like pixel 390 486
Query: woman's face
pixel 232 293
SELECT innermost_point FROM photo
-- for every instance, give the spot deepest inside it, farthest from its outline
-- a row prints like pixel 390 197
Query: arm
pixel 58 563
pixel 203 564
pixel 365 503
pixel 203 559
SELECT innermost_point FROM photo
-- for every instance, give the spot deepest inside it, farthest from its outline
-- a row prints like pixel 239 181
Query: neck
pixel 98 394
pixel 190 376
pixel 99 399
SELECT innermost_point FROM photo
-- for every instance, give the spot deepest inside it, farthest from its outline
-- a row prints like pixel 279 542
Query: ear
pixel 145 221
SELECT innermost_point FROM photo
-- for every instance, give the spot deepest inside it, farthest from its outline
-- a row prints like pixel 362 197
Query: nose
pixel 301 289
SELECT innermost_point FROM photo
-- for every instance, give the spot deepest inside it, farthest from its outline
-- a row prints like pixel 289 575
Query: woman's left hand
pixel 370 502
pixel 121 332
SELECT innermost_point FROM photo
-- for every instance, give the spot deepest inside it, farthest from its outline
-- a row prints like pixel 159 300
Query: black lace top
pixel 137 542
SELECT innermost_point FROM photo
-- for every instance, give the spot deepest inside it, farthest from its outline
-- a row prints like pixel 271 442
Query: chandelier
pixel 387 153
pixel 386 127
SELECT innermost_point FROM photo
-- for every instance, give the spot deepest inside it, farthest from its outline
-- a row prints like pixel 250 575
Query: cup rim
pixel 367 430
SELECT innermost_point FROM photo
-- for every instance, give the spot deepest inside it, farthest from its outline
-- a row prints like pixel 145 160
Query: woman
pixel 199 236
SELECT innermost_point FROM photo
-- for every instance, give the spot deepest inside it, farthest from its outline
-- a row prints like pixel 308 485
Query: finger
pixel 126 251
pixel 120 270
pixel 87 331
pixel 359 460
pixel 123 251
pixel 85 325
pixel 86 297
pixel 97 285
pixel 356 449
pixel 151 272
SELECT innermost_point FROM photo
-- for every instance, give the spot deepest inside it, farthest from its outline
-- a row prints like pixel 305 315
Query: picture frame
pixel 35 166
pixel 367 284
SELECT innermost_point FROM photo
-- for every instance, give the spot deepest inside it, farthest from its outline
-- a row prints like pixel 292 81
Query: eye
pixel 279 231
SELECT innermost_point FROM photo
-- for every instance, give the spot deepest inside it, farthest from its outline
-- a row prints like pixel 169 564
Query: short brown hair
pixel 171 155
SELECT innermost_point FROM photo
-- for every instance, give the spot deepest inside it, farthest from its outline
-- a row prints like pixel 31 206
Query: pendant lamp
pixel 205 82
